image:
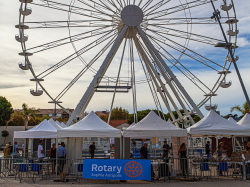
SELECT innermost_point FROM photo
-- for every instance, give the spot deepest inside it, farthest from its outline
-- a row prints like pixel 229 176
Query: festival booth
pixel 245 121
pixel 90 126
pixel 44 130
pixel 153 127
pixel 232 120
pixel 213 125
pixel 61 124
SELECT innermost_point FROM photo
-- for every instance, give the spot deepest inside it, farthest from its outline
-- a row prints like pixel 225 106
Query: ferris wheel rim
pixel 21 19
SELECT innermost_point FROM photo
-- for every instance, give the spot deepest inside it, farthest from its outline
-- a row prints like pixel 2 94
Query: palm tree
pixel 243 110
pixel 26 113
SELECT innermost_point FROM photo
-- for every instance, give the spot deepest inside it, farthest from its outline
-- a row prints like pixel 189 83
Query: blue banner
pixel 117 169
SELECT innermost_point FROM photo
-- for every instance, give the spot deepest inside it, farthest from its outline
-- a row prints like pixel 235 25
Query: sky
pixel 15 83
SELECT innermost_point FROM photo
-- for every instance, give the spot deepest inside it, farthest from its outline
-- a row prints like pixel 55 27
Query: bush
pixel 5 133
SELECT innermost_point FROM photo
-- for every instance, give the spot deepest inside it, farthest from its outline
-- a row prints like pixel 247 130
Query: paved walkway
pixel 97 183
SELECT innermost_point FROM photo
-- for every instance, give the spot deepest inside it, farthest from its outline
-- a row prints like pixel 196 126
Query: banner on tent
pixel 117 169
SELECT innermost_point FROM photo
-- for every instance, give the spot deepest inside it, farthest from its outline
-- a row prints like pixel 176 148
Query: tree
pixel 26 113
pixel 117 113
pixel 5 134
pixel 5 111
pixel 243 110
pixel 16 119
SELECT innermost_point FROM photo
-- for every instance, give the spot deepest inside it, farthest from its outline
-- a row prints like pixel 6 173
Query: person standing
pixel 6 154
pixel 11 148
pixel 144 151
pixel 166 149
pixel 40 154
pixel 61 156
pixel 52 155
pixel 208 149
pixel 183 156
pixel 16 151
pixel 92 149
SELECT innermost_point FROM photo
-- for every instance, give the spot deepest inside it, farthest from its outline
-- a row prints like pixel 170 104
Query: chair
pixel 222 167
pixel 22 168
pixel 205 167
pixel 80 167
pixel 34 168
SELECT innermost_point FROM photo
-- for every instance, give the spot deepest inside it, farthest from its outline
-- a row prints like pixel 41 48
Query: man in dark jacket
pixel 144 151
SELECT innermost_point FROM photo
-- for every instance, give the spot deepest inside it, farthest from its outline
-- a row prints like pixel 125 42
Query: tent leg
pixel 56 154
pixel 120 148
pixel 123 151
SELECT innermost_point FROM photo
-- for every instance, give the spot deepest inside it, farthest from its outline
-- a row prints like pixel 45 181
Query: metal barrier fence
pixel 161 169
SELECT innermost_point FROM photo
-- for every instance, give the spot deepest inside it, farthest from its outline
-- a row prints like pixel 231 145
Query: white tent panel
pixel 215 125
pixel 153 126
pixel 58 123
pixel 63 125
pixel 54 124
pixel 43 130
pixel 245 121
pixel 232 120
pixel 90 126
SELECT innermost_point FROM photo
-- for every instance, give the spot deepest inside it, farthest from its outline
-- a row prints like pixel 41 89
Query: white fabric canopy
pixel 153 126
pixel 245 121
pixel 54 124
pixel 63 125
pixel 215 125
pixel 43 130
pixel 90 126
pixel 232 120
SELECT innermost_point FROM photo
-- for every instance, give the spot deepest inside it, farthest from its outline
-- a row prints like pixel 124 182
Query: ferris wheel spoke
pixel 186 35
pixel 75 55
pixel 156 6
pixel 146 4
pixel 180 48
pixel 178 8
pixel 71 9
pixel 96 8
pixel 66 24
pixel 185 71
pixel 70 39
pixel 88 66
pixel 180 21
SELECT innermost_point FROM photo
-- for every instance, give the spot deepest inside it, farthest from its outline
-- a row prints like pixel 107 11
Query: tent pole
pixel 120 147
pixel 45 147
pixel 56 153
pixel 187 147
pixel 123 151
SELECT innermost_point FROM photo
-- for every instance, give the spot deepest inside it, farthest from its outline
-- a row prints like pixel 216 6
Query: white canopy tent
pixel 54 124
pixel 90 126
pixel 43 130
pixel 63 125
pixel 215 125
pixel 245 121
pixel 153 126
pixel 232 120
pixel 60 124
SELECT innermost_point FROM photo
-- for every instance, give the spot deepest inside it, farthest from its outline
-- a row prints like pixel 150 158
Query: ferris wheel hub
pixel 132 15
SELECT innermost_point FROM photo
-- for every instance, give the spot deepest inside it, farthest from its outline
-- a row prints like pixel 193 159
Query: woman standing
pixel 52 155
pixel 6 154
pixel 183 155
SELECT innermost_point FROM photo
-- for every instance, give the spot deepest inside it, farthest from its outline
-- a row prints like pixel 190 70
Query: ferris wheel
pixel 166 44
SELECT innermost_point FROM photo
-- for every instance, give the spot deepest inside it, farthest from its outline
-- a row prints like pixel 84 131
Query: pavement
pixel 97 183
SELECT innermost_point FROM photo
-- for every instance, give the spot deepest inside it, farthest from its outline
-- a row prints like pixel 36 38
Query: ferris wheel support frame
pixel 217 13
pixel 159 60
pixel 82 105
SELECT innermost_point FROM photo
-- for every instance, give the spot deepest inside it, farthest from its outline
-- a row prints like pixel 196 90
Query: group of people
pixel 8 151
pixel 53 152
